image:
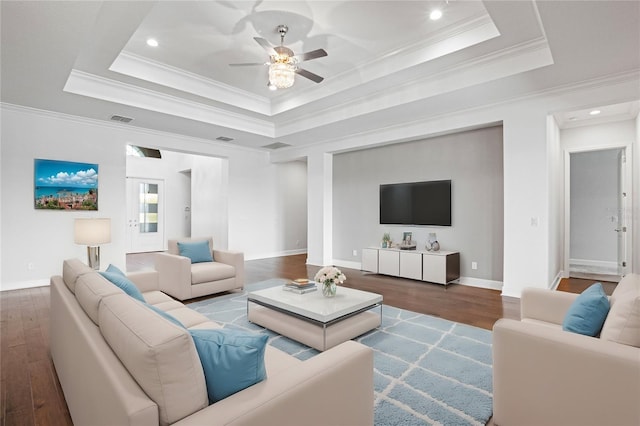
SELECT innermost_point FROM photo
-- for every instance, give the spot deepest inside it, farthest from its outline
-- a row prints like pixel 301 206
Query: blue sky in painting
pixel 66 174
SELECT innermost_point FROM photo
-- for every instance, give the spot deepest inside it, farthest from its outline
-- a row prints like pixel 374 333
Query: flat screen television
pixel 416 203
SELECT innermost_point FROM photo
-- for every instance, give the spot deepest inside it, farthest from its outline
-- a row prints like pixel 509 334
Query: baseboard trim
pixel 593 266
pixel 556 281
pixel 347 264
pixel 20 285
pixel 277 254
pixel 478 282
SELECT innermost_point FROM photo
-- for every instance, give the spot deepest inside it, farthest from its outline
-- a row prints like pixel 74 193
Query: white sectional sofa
pixel 121 363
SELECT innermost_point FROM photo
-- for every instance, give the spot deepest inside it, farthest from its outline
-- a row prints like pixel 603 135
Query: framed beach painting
pixel 64 185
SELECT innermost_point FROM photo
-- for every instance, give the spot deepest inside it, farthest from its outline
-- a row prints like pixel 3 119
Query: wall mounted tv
pixel 416 203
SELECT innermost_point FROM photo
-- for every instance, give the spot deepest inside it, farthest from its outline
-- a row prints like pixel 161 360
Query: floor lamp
pixel 92 233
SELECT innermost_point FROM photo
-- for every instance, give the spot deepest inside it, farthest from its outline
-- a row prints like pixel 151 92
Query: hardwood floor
pixel 30 393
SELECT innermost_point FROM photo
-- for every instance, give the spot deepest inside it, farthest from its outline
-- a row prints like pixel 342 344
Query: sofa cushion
pixel 211 271
pixel 165 315
pixel 623 322
pixel 91 288
pixel 588 312
pixel 188 317
pixel 232 360
pixel 159 355
pixel 72 269
pixel 124 283
pixel 156 297
pixel 197 251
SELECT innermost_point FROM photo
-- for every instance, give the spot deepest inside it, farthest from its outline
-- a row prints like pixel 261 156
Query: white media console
pixel 439 267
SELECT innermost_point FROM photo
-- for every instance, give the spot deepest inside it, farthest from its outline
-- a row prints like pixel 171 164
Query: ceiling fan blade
pixel 248 64
pixel 314 54
pixel 266 45
pixel 308 74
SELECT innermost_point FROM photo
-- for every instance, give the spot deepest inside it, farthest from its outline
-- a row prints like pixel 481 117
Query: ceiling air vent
pixel 224 139
pixel 121 118
pixel 276 145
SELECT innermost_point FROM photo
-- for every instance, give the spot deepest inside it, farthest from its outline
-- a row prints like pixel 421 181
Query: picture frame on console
pixel 406 238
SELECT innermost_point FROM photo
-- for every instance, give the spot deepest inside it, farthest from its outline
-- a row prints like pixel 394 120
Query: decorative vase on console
pixel 432 242
pixel 328 278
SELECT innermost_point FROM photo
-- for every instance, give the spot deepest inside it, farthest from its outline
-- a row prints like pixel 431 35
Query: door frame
pixel 628 178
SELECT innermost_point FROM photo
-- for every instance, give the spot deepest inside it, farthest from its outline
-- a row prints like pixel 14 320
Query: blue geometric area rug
pixel 427 370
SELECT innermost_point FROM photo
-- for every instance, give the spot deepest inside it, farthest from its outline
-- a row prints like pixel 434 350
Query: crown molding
pixel 126 127
pixel 156 72
pixel 381 136
pixel 516 59
pixel 82 83
pixel 470 32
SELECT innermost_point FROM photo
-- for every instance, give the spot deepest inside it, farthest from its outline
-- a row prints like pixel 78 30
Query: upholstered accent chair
pixel 182 279
pixel 543 375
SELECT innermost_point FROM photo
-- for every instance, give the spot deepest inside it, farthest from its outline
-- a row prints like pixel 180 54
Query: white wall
pixel 45 238
pixel 472 160
pixel 635 212
pixel 209 200
pixel 556 204
pixel 204 189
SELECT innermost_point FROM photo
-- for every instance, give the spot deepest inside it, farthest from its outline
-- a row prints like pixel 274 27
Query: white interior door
pixel 145 221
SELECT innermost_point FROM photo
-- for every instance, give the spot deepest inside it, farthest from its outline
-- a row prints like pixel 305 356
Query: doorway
pixel 598 200
pixel 145 215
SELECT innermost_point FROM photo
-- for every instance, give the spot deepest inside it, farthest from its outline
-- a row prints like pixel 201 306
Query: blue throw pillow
pixel 125 284
pixel 587 313
pixel 166 315
pixel 231 360
pixel 115 270
pixel 196 251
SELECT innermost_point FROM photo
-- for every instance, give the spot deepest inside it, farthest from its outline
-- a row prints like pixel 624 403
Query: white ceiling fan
pixel 283 63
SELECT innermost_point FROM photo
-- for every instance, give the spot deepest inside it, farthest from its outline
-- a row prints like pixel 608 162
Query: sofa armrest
pixel 332 388
pixel 546 376
pixel 233 258
pixel 145 280
pixel 174 275
pixel 545 305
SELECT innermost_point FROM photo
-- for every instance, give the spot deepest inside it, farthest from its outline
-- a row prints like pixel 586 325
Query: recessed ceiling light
pixel 435 14
pixel 152 42
pixel 573 118
pixel 595 112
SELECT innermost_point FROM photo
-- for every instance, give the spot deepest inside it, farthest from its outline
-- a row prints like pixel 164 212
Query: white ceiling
pixel 387 62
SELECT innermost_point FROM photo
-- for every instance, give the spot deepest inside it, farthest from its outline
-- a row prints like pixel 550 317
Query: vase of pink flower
pixel 328 279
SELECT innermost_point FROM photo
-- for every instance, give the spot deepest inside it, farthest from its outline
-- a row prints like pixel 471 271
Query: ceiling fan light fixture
pixel 282 75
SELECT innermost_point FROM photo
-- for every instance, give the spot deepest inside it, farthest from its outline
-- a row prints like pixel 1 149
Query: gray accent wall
pixel 473 160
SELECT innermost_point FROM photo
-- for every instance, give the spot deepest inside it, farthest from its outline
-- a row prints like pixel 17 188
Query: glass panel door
pixel 145 222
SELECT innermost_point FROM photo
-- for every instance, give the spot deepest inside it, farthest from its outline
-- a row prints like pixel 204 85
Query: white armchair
pixel 183 280
pixel 543 375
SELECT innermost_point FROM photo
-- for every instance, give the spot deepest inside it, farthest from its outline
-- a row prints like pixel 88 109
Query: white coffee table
pixel 317 321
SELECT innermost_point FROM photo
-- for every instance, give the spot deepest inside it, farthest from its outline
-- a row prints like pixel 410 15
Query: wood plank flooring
pixel 30 393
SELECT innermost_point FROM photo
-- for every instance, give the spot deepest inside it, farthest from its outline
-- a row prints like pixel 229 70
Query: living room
pixel 500 123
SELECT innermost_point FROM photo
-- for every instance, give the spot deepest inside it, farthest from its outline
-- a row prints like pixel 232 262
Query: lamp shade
pixel 92 232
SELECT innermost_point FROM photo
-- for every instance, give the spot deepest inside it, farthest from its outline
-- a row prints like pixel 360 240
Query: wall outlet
pixel 355 252
pixel 474 265
pixel 31 266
